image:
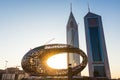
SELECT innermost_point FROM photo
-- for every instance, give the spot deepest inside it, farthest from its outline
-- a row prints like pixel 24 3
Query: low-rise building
pixel 12 74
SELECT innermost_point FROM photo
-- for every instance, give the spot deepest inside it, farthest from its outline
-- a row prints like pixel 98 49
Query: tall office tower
pixel 96 48
pixel 73 39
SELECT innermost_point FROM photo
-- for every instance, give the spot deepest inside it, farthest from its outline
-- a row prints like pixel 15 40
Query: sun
pixel 58 61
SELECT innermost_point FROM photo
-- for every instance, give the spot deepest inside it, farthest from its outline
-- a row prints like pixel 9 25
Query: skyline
pixel 26 24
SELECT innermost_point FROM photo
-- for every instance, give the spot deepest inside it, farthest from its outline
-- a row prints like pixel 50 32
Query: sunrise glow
pixel 58 61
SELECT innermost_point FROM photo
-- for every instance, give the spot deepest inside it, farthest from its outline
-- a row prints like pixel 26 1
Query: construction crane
pixel 49 41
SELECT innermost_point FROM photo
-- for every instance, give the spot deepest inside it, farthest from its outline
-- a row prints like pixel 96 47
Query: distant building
pixel 1 73
pixel 12 74
pixel 96 49
pixel 73 40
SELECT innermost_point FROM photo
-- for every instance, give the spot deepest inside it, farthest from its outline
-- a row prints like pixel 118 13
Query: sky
pixel 26 24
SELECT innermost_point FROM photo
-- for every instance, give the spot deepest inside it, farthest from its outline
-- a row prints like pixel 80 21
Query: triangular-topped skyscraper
pixel 72 39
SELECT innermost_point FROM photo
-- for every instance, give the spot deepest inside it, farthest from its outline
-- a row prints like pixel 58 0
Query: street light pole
pixel 69 72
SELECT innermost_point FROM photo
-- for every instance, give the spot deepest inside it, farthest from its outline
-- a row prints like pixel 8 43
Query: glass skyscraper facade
pixel 96 48
pixel 94 39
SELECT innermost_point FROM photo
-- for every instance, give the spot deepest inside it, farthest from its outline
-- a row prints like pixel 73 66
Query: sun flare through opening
pixel 58 61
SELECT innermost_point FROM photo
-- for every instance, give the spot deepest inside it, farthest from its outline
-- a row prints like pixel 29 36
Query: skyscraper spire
pixel 88 7
pixel 70 7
